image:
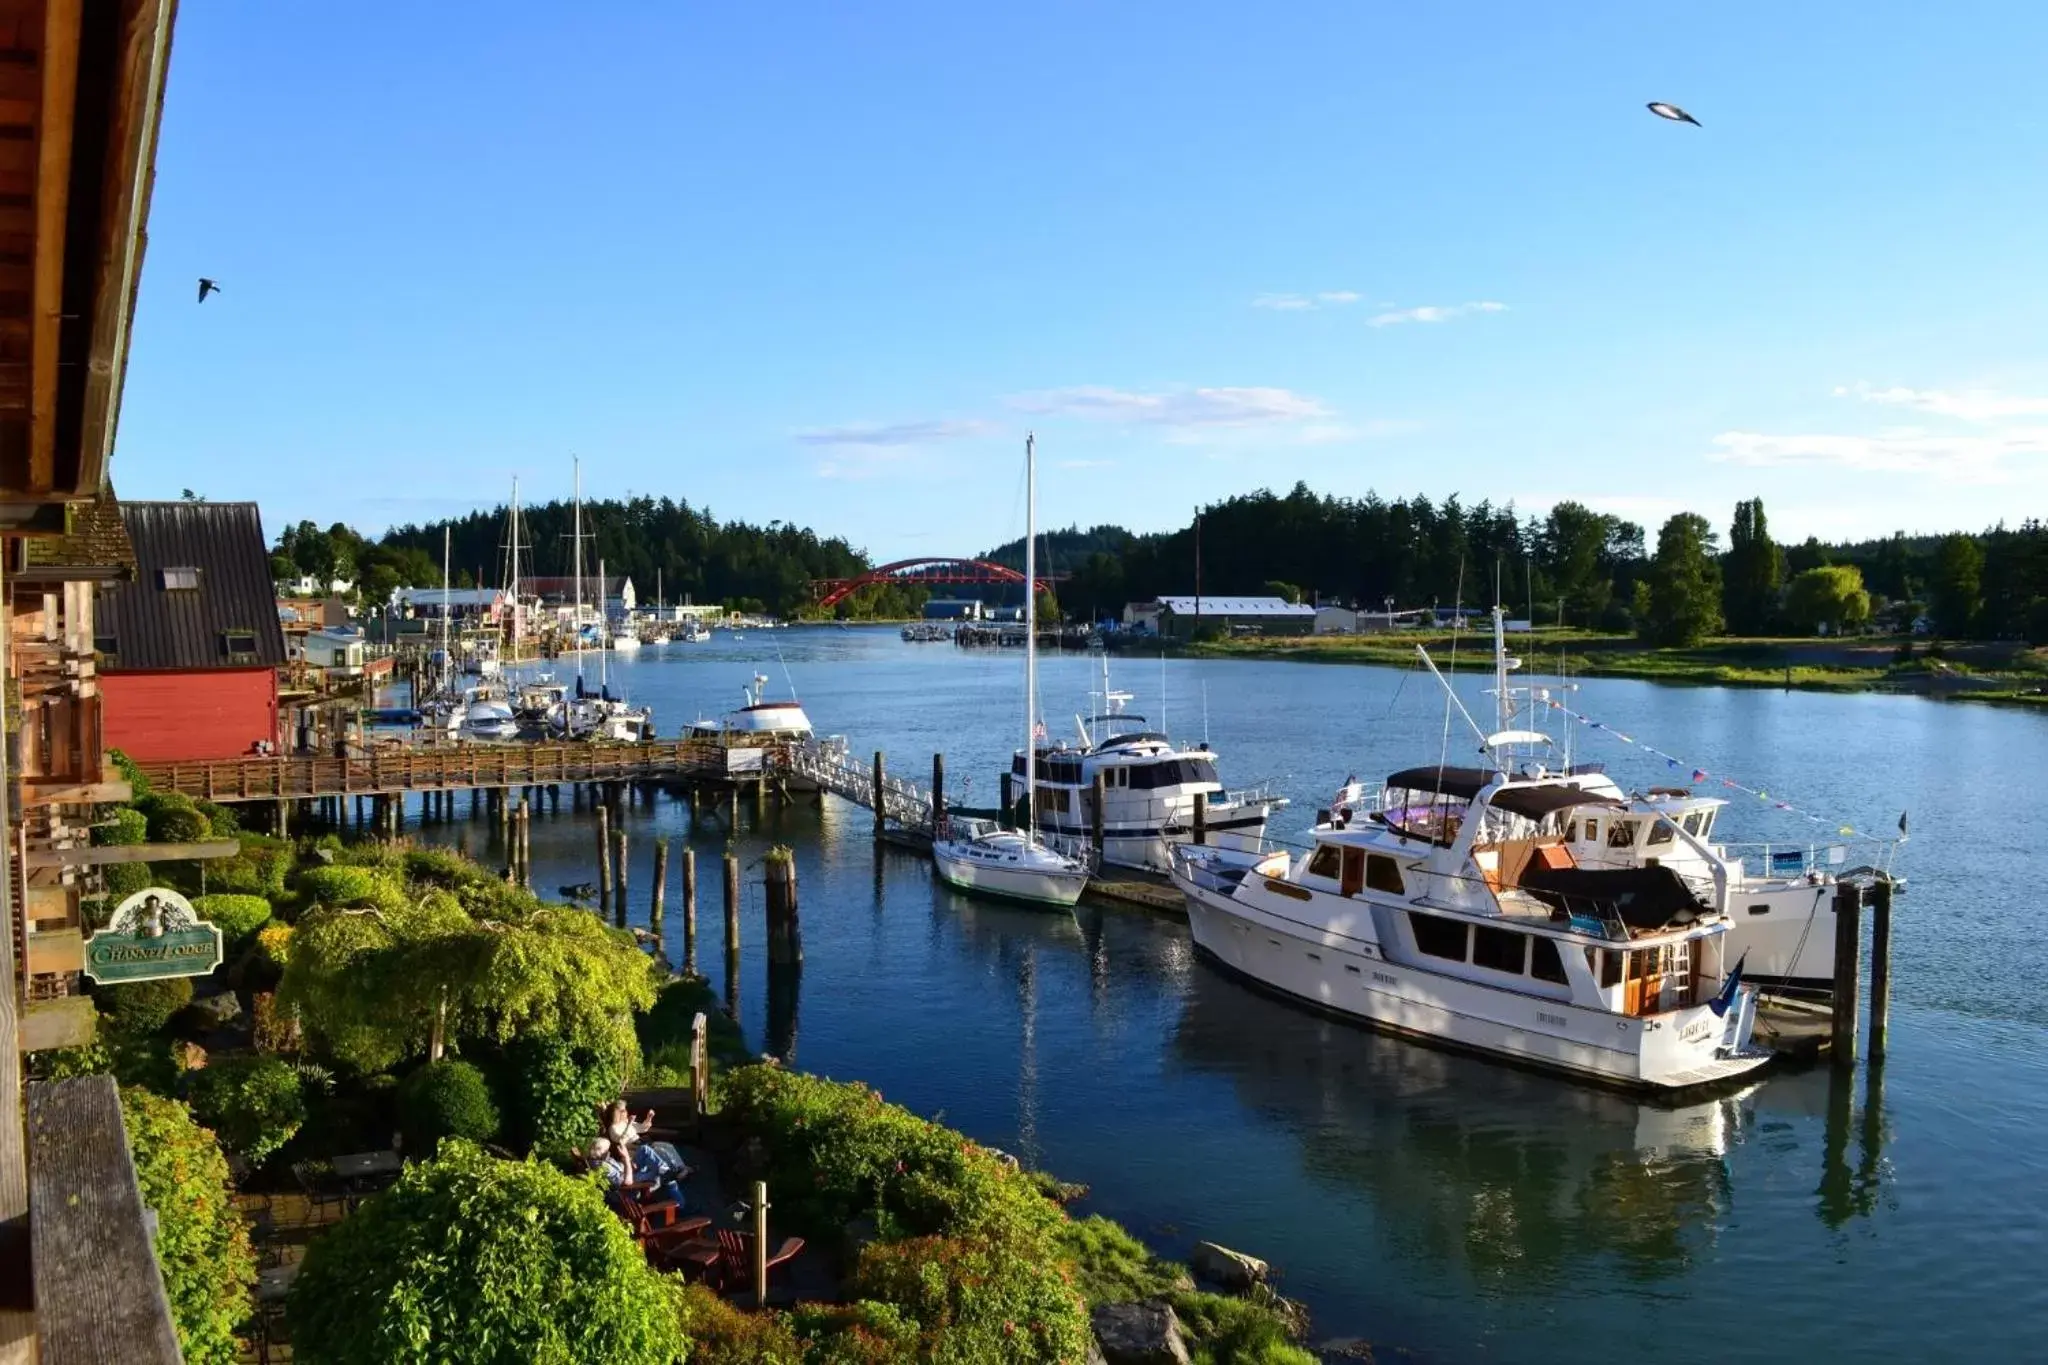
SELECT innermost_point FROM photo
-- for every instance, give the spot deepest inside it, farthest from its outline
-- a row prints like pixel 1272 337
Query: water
pixel 1461 1210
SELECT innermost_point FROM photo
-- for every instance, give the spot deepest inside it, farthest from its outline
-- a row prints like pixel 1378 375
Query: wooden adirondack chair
pixel 736 1258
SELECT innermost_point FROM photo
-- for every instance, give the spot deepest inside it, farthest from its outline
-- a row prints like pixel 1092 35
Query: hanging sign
pixel 155 933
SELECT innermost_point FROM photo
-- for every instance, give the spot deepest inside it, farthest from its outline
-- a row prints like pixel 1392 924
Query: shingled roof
pixel 202 594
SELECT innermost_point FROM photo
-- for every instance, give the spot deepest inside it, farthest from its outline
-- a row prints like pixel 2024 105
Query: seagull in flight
pixel 1672 112
pixel 207 286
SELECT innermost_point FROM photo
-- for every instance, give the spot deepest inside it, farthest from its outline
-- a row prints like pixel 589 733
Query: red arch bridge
pixel 974 573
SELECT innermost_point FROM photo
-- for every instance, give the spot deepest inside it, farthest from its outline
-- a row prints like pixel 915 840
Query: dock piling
pixel 880 819
pixel 1848 972
pixel 938 795
pixel 785 936
pixel 604 860
pixel 525 844
pixel 1201 818
pixel 732 933
pixel 619 874
pixel 660 885
pixel 689 910
pixel 1880 966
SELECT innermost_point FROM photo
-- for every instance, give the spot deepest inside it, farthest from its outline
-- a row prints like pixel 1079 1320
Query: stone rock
pixel 1139 1334
pixel 217 1011
pixel 1000 1155
pixel 1345 1348
pixel 1231 1269
pixel 1095 1356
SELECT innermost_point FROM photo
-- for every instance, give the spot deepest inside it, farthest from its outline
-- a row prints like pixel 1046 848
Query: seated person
pixel 640 1173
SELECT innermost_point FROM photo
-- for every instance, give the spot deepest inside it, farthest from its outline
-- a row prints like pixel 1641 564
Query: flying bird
pixel 207 286
pixel 1672 112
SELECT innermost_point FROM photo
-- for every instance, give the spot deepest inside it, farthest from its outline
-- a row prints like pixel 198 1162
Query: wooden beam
pixel 132 853
pixel 67 1021
pixel 99 1293
pixel 74 793
pixel 60 950
pixel 61 19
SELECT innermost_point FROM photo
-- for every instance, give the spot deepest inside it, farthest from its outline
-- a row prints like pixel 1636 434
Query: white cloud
pixel 1183 408
pixel 892 435
pixel 1969 405
pixel 1431 312
pixel 1301 303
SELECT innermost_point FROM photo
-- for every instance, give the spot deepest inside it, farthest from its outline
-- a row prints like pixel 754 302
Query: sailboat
pixel 979 855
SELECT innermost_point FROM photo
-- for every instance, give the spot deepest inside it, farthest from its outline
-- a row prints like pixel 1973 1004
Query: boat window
pixel 1544 963
pixel 1053 799
pixel 1759 909
pixel 1354 871
pixel 1692 823
pixel 1592 829
pixel 1439 937
pixel 1382 873
pixel 1502 950
pixel 1325 862
pixel 1661 832
pixel 1621 834
pixel 1706 823
pixel 1571 832
pixel 1610 967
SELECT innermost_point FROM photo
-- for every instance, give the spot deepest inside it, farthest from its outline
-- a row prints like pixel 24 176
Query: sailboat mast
pixel 604 627
pixel 576 538
pixel 1030 637
pixel 512 574
pixel 447 658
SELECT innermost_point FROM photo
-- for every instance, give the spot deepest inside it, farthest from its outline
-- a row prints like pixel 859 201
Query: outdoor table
pixel 273 1284
pixel 367 1165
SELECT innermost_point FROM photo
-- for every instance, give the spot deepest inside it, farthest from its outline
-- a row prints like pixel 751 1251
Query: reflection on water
pixel 1853 1186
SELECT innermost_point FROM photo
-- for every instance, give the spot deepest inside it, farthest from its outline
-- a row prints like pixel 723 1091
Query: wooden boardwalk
pixel 392 771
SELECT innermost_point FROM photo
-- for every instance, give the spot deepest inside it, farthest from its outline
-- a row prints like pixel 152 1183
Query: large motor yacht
pixel 757 720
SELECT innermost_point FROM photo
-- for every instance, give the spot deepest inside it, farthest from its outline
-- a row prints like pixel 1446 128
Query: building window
pixel 106 647
pixel 174 580
pixel 1439 937
pixel 238 646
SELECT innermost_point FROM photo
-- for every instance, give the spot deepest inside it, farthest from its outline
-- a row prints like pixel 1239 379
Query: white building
pixel 335 650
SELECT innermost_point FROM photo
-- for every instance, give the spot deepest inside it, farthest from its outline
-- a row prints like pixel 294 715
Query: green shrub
pixel 220 819
pixel 978 1299
pixel 469 1260
pixel 1235 1331
pixel 62 1063
pixel 1111 1266
pixel 721 1334
pixel 552 1093
pixel 123 880
pixel 445 868
pixel 237 917
pixel 667 1025
pixel 444 1100
pixel 140 1008
pixel 174 818
pixel 254 1102
pixel 128 826
pixel 260 868
pixel 131 773
pixel 350 887
pixel 202 1244
pixel 860 1333
pixel 659 1076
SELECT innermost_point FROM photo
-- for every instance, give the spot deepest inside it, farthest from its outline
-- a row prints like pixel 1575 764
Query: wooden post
pixel 879 821
pixel 700 1065
pixel 1201 817
pixel 604 860
pixel 732 933
pixel 619 875
pixel 785 937
pixel 1880 966
pixel 501 801
pixel 938 796
pixel 1848 972
pixel 525 844
pixel 760 1244
pixel 1009 801
pixel 660 886
pixel 1095 798
pixel 689 909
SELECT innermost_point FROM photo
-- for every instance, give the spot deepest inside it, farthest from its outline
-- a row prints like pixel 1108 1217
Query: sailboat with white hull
pixel 978 855
pixel 1451 907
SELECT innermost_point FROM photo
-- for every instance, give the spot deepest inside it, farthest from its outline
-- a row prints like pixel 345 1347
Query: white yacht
pixel 757 720
pixel 695 632
pixel 1149 786
pixel 625 639
pixel 977 855
pixel 489 715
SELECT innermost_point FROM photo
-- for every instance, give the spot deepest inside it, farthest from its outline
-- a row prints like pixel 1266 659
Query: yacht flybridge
pixel 1454 905
pixel 1149 786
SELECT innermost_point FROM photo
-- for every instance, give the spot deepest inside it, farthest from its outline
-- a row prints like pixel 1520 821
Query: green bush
pixel 1234 1331
pixel 260 868
pixel 859 1333
pixel 140 1008
pixel 978 1299
pixel 202 1244
pixel 469 1260
pixel 445 868
pixel 174 818
pixel 1111 1266
pixel 131 773
pixel 254 1102
pixel 220 819
pixel 667 1025
pixel 350 887
pixel 720 1334
pixel 128 826
pixel 552 1093
pixel 123 880
pixel 237 917
pixel 444 1100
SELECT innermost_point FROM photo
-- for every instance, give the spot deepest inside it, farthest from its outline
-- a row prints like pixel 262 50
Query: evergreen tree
pixel 1958 585
pixel 1755 572
pixel 1684 584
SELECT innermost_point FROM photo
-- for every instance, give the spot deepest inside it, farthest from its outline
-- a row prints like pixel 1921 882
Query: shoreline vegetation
pixel 378 995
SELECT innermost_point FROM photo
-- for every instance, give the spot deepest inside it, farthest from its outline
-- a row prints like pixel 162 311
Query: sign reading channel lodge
pixel 154 933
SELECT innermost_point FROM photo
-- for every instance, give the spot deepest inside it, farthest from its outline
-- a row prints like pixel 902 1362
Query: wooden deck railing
pixel 383 771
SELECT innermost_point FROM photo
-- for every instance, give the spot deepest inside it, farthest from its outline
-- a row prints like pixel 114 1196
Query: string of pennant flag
pixel 1698 774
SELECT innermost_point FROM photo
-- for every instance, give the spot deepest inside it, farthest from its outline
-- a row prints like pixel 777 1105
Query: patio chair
pixel 676 1245
pixel 736 1258
pixel 315 1181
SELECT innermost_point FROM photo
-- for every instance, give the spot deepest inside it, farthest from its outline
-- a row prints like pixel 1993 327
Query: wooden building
pixel 81 97
pixel 189 650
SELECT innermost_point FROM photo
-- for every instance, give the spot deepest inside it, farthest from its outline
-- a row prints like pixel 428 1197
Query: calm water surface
pixel 1457 1209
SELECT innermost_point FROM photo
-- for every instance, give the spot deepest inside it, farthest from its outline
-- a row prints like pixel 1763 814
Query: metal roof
pixel 157 627
pixel 1235 606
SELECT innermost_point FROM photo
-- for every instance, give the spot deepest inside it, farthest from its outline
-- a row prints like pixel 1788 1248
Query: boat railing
pixel 1815 860
pixel 1259 793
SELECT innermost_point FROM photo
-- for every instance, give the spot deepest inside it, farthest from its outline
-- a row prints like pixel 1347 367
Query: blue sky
pixel 828 263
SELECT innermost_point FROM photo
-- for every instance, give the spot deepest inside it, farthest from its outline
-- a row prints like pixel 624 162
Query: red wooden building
pixel 189 650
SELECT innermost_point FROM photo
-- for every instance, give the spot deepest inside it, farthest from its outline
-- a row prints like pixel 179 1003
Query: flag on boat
pixel 1902 824
pixel 1720 1003
pixel 1038 729
pixel 1699 774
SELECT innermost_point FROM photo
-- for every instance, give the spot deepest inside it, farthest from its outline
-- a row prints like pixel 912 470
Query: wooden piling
pixel 938 796
pixel 879 819
pixel 654 909
pixel 1201 817
pixel 732 932
pixel 604 860
pixel 761 1244
pixel 525 844
pixel 785 936
pixel 689 910
pixel 700 1064
pixel 1880 966
pixel 1848 972
pixel 619 875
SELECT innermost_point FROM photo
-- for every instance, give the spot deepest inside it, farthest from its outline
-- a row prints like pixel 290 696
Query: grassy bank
pixel 1812 665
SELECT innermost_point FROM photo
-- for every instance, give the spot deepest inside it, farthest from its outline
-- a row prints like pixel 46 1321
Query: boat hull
pixel 1351 980
pixel 1035 886
pixel 1784 935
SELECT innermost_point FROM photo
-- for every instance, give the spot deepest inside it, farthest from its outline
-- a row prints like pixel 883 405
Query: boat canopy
pixel 1537 802
pixel 1460 782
